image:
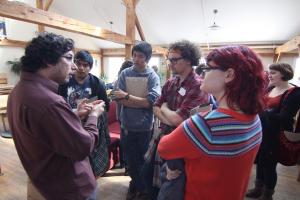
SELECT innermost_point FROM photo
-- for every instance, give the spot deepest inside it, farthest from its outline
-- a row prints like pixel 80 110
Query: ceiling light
pixel 214 26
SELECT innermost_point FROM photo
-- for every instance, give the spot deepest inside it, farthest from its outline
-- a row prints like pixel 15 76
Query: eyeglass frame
pixel 174 61
pixel 208 68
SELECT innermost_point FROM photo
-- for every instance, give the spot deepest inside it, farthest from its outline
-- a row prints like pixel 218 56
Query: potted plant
pixel 15 66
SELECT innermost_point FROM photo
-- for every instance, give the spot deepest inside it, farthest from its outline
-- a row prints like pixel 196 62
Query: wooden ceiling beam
pixel 159 50
pixel 22 44
pixel 39 5
pixel 47 5
pixel 13 43
pixel 289 46
pixel 128 2
pixel 139 28
pixel 22 12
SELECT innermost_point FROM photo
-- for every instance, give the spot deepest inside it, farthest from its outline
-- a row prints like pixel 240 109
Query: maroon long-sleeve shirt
pixel 51 142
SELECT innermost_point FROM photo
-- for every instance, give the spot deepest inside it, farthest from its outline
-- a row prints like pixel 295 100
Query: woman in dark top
pixel 277 117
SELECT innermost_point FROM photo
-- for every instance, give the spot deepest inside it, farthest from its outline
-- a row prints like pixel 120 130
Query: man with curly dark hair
pixel 180 94
pixel 51 142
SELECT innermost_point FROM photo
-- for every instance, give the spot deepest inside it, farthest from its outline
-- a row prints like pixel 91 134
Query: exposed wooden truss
pixel 22 12
pixel 289 46
pixel 39 5
pixel 130 26
pixel 13 43
pixel 22 44
pixel 48 4
pixel 139 28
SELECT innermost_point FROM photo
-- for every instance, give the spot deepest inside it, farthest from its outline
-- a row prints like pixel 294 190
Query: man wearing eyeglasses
pixel 180 94
pixel 84 85
pixel 52 143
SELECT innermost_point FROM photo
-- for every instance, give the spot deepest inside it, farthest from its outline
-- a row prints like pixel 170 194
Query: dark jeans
pixel 172 189
pixel 148 172
pixel 135 146
pixel 266 160
pixel 122 153
pixel 266 170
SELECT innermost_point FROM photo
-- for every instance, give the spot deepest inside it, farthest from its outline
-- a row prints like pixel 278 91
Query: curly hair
pixel 285 69
pixel 188 50
pixel 45 49
pixel 246 90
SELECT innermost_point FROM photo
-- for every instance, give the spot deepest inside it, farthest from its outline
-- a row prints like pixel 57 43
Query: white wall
pixel 6 54
pixel 113 64
pixel 17 30
pixel 268 60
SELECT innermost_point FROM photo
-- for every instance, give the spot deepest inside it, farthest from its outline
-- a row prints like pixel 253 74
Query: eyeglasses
pixel 208 68
pixel 173 60
pixel 81 63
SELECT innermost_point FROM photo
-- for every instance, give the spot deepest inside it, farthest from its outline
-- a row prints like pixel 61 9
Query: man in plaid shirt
pixel 180 94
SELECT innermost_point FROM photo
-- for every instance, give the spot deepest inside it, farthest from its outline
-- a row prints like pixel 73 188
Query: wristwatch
pixel 126 97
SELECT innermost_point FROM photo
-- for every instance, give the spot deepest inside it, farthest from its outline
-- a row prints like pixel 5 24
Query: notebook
pixel 137 86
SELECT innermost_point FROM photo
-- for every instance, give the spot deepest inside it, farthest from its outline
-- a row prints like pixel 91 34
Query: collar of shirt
pixel 51 85
pixel 189 78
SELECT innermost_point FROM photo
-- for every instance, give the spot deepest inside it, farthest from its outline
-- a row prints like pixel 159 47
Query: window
pixel 113 65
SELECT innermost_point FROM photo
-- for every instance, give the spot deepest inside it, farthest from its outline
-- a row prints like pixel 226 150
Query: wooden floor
pixel 13 181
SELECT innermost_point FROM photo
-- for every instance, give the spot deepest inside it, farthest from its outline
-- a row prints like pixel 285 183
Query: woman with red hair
pixel 219 148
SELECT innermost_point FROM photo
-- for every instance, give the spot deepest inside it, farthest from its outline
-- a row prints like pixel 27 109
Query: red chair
pixel 114 132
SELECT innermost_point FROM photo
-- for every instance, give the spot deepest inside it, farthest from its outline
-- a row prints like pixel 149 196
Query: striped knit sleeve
pixel 177 145
pixel 222 135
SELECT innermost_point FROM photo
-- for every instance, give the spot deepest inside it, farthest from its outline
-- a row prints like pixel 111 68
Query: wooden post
pixel 130 26
pixel 278 58
pixel 48 4
pixel 139 28
pixel 101 63
pixel 39 5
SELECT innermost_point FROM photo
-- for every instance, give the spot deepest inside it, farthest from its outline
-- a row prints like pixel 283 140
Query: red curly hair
pixel 246 90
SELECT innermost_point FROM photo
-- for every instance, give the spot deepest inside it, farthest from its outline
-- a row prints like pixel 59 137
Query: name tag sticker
pixel 182 91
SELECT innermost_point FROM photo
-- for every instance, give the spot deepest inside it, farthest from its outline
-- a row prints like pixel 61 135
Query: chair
pixel 114 148
pixel 3 105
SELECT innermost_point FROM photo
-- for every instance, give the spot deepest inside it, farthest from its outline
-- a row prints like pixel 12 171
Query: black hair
pixel 45 49
pixel 188 50
pixel 198 69
pixel 84 56
pixel 143 47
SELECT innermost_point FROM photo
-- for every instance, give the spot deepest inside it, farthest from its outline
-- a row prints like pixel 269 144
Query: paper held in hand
pixel 137 86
